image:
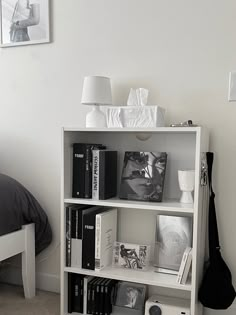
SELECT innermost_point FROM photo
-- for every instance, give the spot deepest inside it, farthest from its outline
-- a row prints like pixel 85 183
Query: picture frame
pixel 24 22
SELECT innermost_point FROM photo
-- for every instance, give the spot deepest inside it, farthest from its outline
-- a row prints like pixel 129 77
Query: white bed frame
pixel 22 242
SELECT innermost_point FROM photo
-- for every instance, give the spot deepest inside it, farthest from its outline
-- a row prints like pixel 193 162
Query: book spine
pixel 78 185
pixel 87 175
pixel 95 174
pixel 102 177
pixel 182 266
pixel 77 224
pixel 76 295
pixel 68 236
pixel 187 268
pixel 69 292
pixel 81 303
pixel 98 243
pixel 88 242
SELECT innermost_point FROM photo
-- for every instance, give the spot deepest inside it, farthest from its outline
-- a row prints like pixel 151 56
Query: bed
pixel 24 228
pixel 22 242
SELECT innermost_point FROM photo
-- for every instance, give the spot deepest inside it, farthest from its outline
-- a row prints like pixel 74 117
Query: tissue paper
pixel 138 97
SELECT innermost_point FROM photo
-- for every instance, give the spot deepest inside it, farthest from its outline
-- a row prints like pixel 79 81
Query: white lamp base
pixel 96 118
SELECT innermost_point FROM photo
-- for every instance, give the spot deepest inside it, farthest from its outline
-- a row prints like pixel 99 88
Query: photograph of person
pixel 130 295
pixel 24 22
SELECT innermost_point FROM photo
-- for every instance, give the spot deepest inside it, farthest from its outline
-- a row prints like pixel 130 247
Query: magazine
pixel 131 295
pixel 143 176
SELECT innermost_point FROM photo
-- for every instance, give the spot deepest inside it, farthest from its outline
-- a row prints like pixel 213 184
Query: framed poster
pixel 24 22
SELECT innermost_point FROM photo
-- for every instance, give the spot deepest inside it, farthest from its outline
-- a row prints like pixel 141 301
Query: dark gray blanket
pixel 18 207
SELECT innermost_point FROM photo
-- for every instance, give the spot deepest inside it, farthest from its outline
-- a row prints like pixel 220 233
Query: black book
pixel 88 168
pixel 143 176
pixel 78 184
pixel 93 295
pixel 68 236
pixel 89 296
pixel 108 291
pixel 69 292
pixel 73 230
pixel 81 169
pixel 102 297
pixel 97 297
pixel 88 241
pixel 76 283
pixel 104 183
pixel 81 303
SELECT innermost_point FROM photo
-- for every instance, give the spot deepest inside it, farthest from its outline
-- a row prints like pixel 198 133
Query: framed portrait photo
pixel 24 22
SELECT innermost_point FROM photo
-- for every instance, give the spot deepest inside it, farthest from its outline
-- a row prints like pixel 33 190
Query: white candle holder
pixel 186 185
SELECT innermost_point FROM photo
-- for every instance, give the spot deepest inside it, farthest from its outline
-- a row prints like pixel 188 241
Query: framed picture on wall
pixel 24 22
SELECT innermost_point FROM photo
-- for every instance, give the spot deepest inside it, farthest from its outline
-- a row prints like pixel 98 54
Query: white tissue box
pixel 149 116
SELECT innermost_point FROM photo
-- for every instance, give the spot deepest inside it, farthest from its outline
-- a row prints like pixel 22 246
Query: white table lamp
pixel 96 92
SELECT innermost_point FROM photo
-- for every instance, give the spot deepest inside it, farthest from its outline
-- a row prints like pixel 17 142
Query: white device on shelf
pixel 160 305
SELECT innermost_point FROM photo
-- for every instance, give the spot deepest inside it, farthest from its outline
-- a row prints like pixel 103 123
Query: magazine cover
pixel 131 256
pixel 131 295
pixel 143 176
pixel 173 236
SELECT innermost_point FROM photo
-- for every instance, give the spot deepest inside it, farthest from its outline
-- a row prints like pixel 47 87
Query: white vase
pixel 186 185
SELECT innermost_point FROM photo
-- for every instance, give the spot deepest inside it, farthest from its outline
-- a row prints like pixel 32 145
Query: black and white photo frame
pixel 24 22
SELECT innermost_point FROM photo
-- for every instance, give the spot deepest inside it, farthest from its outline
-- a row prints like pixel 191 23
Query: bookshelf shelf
pixel 136 221
pixel 148 277
pixel 165 206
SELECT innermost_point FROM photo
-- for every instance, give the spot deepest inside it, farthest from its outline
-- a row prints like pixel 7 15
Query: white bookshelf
pixel 136 220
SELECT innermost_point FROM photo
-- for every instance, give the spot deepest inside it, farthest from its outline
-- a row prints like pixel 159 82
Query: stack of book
pixel 94 171
pixel 90 234
pixel 90 295
pixel 184 269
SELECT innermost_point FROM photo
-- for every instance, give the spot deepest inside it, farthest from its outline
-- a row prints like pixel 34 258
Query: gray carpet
pixel 12 302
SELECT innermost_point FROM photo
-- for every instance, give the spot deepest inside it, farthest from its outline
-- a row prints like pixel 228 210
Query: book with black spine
pixel 78 182
pixel 143 176
pixel 76 283
pixel 86 279
pixel 68 236
pixel 93 295
pixel 76 234
pixel 104 175
pixel 89 295
pixel 88 167
pixel 88 241
pixel 108 293
pixel 102 297
pixel 69 292
pixel 97 297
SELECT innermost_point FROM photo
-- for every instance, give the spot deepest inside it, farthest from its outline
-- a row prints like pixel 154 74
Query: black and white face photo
pixel 24 21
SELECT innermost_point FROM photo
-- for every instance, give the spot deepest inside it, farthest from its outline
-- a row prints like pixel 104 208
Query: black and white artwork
pixel 130 295
pixel 173 236
pixel 24 22
pixel 131 256
pixel 143 176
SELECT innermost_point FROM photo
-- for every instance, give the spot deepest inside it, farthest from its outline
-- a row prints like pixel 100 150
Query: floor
pixel 13 302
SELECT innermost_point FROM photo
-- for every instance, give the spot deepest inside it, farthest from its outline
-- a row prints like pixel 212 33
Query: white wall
pixel 182 51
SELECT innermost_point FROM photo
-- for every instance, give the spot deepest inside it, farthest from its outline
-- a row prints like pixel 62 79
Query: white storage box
pixel 135 116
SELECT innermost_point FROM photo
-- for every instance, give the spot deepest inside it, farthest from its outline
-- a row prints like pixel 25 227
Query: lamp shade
pixel 96 91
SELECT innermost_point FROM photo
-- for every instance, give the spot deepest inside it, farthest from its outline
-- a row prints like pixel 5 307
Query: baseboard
pixel 44 281
pixel 230 311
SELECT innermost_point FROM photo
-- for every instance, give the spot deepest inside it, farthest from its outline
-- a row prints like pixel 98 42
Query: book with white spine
pixel 106 233
pixel 183 264
pixel 187 268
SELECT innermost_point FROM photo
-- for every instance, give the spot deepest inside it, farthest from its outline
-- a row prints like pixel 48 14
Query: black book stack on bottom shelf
pixel 90 295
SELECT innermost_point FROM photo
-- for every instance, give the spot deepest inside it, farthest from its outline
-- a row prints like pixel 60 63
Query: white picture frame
pixel 24 22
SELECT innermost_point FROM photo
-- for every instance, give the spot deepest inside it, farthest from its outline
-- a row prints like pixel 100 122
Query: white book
pixel 85 293
pixel 76 253
pixel 106 233
pixel 183 264
pixel 187 268
pixel 95 174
